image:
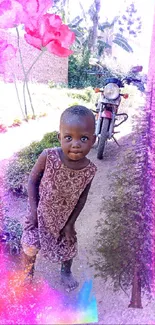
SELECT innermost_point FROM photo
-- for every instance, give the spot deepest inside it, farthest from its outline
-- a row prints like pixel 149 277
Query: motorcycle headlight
pixel 111 91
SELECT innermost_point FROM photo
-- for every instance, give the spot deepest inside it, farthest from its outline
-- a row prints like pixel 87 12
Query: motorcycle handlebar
pixel 129 80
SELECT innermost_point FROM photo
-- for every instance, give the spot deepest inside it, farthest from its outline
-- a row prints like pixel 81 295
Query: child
pixel 57 190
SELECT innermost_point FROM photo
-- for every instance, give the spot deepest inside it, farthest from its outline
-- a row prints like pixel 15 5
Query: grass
pixel 136 99
pixel 46 100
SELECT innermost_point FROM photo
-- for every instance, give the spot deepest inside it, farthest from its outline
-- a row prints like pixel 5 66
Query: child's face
pixel 76 136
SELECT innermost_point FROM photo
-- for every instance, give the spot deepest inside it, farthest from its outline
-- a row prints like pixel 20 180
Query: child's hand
pixel 69 232
pixel 32 222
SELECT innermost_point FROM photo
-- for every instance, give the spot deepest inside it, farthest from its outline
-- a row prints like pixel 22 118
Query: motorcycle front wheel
pixel 103 138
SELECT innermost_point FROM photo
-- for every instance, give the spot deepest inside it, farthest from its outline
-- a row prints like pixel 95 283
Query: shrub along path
pixel 112 306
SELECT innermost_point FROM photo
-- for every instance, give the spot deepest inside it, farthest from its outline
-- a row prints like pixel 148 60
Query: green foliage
pixel 73 104
pixel 14 229
pixel 108 25
pixel 86 95
pixel 130 22
pixel 57 85
pixel 20 167
pixel 122 42
pixel 103 41
pixel 77 71
pixel 124 234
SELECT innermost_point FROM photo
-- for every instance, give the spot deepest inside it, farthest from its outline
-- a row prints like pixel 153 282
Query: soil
pixel 112 306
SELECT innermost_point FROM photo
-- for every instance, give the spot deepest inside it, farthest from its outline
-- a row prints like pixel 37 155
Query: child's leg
pixel 67 278
pixel 29 257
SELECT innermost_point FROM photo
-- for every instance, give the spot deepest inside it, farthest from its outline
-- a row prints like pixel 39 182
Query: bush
pixel 73 104
pixel 86 95
pixel 124 235
pixel 79 68
pixel 135 100
pixel 77 72
pixel 13 231
pixel 20 167
pixel 57 85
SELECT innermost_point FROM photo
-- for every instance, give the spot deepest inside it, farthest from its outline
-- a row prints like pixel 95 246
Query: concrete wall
pixel 49 67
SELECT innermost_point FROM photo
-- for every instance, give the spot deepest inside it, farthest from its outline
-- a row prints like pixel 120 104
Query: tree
pixel 130 22
pixel 97 38
pixel 107 37
pixel 93 33
pixel 61 7
pixel 124 251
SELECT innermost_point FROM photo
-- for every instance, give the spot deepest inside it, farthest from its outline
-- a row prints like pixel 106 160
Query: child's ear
pixel 59 137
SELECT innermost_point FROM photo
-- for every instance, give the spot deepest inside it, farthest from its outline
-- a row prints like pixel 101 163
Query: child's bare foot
pixel 69 281
pixel 28 277
pixel 28 280
pixel 28 269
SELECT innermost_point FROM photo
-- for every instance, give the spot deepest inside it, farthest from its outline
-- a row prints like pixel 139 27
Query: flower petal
pixel 67 37
pixel 44 5
pixel 9 53
pixel 48 31
pixel 3 45
pixel 35 8
pixel 34 41
pixel 57 49
pixel 11 16
pixel 54 20
pixel 5 5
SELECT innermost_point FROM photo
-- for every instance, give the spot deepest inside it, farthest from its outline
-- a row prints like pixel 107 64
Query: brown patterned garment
pixel 59 192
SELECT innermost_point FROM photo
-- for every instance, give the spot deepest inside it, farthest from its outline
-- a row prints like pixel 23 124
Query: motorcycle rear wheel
pixel 103 138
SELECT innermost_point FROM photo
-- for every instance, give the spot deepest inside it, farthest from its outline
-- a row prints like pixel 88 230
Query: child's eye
pixel 84 139
pixel 68 138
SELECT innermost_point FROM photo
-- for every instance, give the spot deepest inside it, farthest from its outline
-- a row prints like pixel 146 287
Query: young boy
pixel 57 190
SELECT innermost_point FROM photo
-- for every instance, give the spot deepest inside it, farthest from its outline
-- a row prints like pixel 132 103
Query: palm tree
pixel 61 7
pixel 94 11
pixel 98 38
pixel 107 37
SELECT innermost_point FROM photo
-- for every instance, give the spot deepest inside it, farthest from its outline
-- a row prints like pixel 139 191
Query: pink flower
pixel 4 5
pixel 35 8
pixel 49 32
pixel 7 52
pixel 16 12
pixel 11 14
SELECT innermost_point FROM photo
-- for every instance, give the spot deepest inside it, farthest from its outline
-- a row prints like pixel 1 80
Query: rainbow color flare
pixel 40 304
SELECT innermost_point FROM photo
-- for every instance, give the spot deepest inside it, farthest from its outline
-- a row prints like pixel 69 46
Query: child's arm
pixel 33 189
pixel 69 227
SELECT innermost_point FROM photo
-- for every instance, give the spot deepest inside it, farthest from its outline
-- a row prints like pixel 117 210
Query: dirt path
pixel 112 306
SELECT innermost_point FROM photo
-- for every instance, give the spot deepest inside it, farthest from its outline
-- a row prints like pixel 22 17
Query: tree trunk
pixel 95 19
pixel 66 11
pixel 136 291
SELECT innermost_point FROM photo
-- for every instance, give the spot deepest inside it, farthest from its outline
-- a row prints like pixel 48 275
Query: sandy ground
pixel 112 307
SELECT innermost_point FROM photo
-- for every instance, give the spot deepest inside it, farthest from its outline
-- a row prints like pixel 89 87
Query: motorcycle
pixel 107 110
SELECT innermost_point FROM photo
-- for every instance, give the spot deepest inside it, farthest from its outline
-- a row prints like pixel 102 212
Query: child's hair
pixel 78 110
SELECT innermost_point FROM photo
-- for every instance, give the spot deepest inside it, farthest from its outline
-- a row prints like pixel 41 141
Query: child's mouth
pixel 75 155
pixel 75 152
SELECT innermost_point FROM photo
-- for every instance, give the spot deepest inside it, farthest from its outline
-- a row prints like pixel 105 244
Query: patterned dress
pixel 59 192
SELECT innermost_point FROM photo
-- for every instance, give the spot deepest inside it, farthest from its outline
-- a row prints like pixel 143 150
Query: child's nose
pixel 76 144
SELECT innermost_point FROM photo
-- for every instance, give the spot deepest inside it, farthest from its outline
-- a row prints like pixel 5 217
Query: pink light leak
pixel 150 111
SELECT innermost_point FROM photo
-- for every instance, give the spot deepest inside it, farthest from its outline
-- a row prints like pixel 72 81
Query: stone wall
pixel 48 68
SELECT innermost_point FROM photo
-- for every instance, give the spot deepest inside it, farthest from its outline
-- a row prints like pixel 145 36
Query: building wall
pixel 48 68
